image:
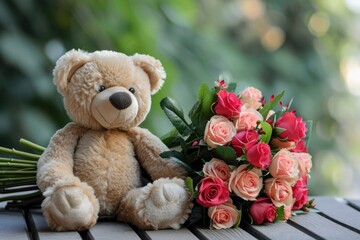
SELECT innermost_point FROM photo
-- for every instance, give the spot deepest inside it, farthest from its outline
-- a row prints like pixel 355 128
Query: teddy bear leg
pixel 165 203
pixel 71 206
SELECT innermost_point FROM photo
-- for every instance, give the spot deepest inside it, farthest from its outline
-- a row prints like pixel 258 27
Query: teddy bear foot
pixel 163 204
pixel 70 208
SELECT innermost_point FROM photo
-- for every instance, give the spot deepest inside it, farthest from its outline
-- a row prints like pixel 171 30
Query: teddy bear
pixel 92 167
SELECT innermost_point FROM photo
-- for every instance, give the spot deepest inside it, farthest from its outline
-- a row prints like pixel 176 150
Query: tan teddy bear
pixel 92 166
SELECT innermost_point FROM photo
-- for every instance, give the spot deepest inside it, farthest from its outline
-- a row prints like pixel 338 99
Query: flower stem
pixel 15 160
pixel 18 172
pixel 15 179
pixel 21 197
pixel 19 153
pixel 16 165
pixel 20 189
pixel 32 145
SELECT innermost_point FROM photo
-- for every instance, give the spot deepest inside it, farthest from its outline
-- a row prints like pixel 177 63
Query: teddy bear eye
pixel 132 90
pixel 101 88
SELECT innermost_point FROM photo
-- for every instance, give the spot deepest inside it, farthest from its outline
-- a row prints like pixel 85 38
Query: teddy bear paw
pixel 169 203
pixel 70 208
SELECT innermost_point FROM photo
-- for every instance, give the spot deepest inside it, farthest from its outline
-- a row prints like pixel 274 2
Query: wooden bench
pixel 337 219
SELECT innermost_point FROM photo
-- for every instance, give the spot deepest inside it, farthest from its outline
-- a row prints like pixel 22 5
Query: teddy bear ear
pixel 153 69
pixel 66 66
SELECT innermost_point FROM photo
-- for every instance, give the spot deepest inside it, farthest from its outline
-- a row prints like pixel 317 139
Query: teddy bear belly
pixel 105 160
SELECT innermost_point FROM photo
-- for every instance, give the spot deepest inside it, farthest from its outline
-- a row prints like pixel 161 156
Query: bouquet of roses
pixel 246 157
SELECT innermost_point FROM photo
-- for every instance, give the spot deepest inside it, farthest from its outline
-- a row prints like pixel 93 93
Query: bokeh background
pixel 309 48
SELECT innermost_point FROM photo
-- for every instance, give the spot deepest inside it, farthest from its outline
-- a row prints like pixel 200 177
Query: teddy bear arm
pixel 147 149
pixel 56 163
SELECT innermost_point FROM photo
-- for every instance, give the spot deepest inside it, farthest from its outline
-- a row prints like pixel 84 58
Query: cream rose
pixel 246 184
pixel 247 119
pixel 217 168
pixel 305 163
pixel 279 191
pixel 251 97
pixel 219 131
pixel 223 216
pixel 285 166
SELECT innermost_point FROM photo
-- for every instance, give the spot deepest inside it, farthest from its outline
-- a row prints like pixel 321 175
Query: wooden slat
pixel 223 234
pixel 106 230
pixel 12 224
pixel 179 234
pixel 46 233
pixel 354 203
pixel 280 230
pixel 339 211
pixel 324 227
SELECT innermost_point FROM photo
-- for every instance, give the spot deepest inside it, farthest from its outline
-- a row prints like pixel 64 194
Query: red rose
pixel 227 104
pixel 300 195
pixel 212 192
pixel 294 127
pixel 259 155
pixel 300 147
pixel 244 140
pixel 263 210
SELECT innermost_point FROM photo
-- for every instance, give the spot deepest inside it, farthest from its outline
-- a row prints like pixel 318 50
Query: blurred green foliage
pixel 273 45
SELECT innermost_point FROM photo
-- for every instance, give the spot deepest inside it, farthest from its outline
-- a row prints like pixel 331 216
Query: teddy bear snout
pixel 120 100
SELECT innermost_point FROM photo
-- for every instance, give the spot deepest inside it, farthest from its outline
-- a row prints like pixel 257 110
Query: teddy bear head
pixel 106 89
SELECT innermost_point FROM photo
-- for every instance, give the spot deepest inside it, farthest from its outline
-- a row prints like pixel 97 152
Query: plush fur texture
pixel 91 167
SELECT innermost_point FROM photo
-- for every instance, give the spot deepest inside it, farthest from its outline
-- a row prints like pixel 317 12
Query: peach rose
pixel 219 131
pixel 246 184
pixel 224 216
pixel 251 97
pixel 279 191
pixel 285 166
pixel 287 211
pixel 217 168
pixel 305 163
pixel 247 119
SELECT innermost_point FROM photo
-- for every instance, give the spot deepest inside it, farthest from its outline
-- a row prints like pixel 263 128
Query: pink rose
pixel 259 155
pixel 294 127
pixel 219 131
pixel 244 140
pixel 263 210
pixel 300 147
pixel 251 97
pixel 212 192
pixel 279 191
pixel 248 119
pixel 217 168
pixel 301 183
pixel 305 163
pixel 223 216
pixel 246 184
pixel 287 211
pixel 285 166
pixel 300 194
pixel 227 104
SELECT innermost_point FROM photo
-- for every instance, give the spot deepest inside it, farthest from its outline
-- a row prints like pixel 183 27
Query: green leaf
pixel 172 138
pixel 270 105
pixel 231 87
pixel 309 126
pixel 189 183
pixel 201 112
pixel 177 157
pixel 175 114
pixel 267 132
pixel 280 212
pixel 237 224
pixel 226 153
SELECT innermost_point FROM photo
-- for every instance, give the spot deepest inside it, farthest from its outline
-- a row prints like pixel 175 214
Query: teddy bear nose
pixel 120 100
